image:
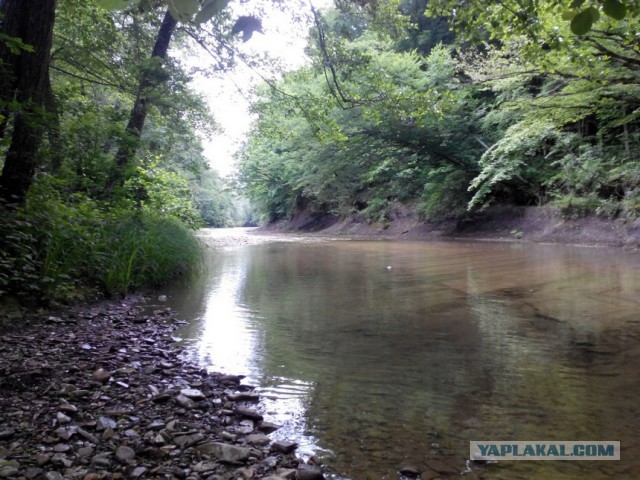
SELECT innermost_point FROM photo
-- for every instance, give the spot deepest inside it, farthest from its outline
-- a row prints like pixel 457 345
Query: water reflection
pixel 454 342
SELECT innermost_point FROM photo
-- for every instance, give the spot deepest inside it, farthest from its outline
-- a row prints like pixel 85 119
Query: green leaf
pixel 183 10
pixel 210 9
pixel 594 12
pixel 582 22
pixel 576 3
pixel 569 14
pixel 614 9
pixel 114 4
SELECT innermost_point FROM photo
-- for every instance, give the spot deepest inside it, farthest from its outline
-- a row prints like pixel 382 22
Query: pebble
pixel 173 416
pixel 125 453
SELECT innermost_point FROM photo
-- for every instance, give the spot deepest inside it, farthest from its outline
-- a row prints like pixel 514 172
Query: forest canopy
pixel 450 107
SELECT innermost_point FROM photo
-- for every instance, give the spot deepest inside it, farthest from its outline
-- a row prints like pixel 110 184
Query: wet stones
pixel 127 407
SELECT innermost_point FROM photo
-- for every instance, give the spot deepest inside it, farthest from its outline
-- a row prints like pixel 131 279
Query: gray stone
pixel 6 433
pixel 185 402
pixel 244 396
pixel 61 448
pixel 185 441
pixel 192 393
pixel 284 446
pixel 205 466
pixel 258 439
pixel 64 433
pixel 105 422
pixel 101 375
pixel 288 473
pixel 42 458
pixel 85 452
pixel 62 418
pixel 125 453
pixel 8 471
pixel 409 471
pixel 53 476
pixel 309 472
pixel 138 472
pixel 268 427
pixel 224 452
pixel 33 472
pixel 156 425
pixel 248 412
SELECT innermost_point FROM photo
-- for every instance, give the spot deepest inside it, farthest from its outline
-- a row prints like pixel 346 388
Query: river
pixel 379 355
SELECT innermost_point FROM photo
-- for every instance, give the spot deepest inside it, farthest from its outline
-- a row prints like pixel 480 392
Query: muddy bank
pixel 101 392
pixel 533 224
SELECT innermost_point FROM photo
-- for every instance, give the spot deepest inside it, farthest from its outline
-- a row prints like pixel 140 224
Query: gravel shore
pixel 102 392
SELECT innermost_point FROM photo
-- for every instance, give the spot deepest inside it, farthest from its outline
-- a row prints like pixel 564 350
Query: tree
pixel 24 84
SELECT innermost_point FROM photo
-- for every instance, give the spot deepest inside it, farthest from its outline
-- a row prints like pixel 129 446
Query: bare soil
pixel 503 223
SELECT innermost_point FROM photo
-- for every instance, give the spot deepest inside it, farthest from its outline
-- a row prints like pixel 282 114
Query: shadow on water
pixel 387 354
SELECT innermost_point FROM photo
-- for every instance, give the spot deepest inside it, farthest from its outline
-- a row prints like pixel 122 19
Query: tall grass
pixel 74 244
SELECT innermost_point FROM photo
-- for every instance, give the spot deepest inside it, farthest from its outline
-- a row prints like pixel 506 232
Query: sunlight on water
pixel 378 367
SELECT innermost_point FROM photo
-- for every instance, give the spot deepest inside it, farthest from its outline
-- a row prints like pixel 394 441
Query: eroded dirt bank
pixel 101 392
pixel 533 224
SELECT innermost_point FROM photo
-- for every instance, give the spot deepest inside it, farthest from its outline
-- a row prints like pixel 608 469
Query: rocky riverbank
pixel 101 392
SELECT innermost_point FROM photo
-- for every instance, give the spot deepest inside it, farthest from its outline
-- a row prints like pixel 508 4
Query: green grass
pixel 57 250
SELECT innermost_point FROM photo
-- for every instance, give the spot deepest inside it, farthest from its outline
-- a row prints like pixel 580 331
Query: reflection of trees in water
pixel 452 343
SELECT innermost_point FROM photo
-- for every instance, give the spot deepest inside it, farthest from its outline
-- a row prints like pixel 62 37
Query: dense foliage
pixel 451 111
pixel 82 215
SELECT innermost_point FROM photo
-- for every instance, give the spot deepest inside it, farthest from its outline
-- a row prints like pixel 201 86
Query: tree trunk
pixel 129 144
pixel 25 79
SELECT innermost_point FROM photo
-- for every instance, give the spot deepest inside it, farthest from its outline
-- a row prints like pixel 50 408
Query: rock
pixel 61 448
pixel 192 393
pixel 33 472
pixel 125 453
pixel 258 439
pixel 43 458
pixel 268 427
pixel 162 298
pixel 283 447
pixel 309 472
pixel 101 460
pixel 245 426
pixel 62 418
pixel 8 471
pixel 185 402
pixel 7 433
pixel 185 441
pixel 138 472
pixel 248 412
pixel 67 407
pixel 224 452
pixel 65 433
pixel 101 375
pixel 88 436
pixel 53 476
pixel 409 471
pixel 105 422
pixel 244 396
pixel 205 466
pixel 287 473
pixel 85 452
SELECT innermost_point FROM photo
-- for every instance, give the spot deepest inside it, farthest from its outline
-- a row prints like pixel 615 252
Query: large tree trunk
pixel 148 82
pixel 25 79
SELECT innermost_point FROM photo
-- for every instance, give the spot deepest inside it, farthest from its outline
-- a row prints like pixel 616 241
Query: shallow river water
pixel 380 354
